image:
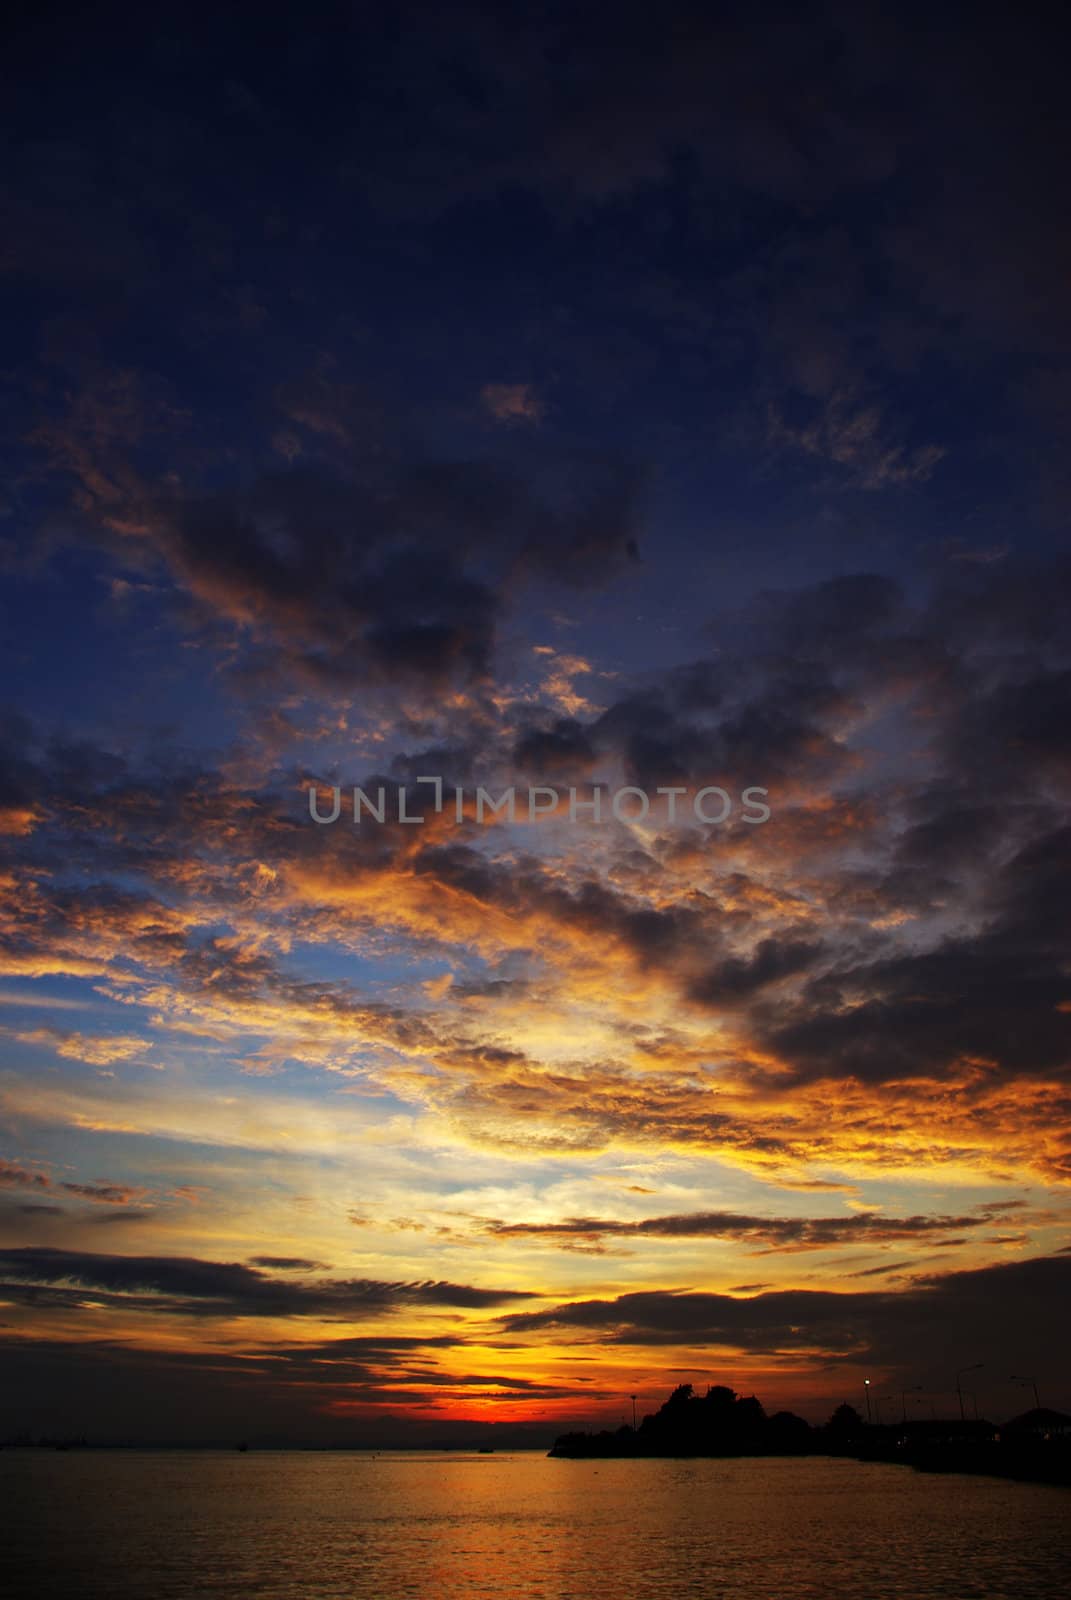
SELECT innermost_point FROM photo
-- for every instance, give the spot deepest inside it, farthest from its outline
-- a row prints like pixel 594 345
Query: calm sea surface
pixel 308 1526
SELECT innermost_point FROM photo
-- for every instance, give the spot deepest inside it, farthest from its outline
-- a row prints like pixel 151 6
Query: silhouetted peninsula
pixel 718 1423
pixel 1034 1447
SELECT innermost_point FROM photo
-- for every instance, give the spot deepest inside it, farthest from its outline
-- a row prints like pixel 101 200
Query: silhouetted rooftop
pixel 1040 1419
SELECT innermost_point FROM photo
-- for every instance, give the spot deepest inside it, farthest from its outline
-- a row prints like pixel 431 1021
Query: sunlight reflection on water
pixel 332 1526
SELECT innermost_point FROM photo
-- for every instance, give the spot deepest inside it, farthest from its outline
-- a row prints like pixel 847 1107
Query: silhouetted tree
pixel 845 1420
pixel 844 1431
pixel 748 1415
pixel 679 1398
pixel 720 1398
pixel 718 1423
pixel 789 1435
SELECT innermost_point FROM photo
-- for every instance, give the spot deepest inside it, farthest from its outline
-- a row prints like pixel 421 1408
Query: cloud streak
pixel 175 1285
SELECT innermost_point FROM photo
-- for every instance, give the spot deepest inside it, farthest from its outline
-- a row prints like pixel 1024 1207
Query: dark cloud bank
pixel 1011 1317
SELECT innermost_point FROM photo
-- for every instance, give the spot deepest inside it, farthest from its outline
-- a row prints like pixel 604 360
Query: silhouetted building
pixel 1040 1422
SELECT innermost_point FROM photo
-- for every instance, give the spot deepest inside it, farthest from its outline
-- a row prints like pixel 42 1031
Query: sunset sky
pixel 538 398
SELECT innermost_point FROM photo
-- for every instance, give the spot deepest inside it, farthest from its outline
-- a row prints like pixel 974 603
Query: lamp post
pixel 974 1367
pixel 632 1397
pixel 914 1389
pixel 866 1391
pixel 1033 1384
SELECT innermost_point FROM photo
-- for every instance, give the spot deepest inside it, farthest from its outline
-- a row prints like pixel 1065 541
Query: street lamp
pixel 866 1391
pixel 914 1389
pixel 1033 1384
pixel 973 1368
pixel 632 1397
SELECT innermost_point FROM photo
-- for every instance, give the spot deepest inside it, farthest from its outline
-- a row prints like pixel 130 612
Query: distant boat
pixel 242 1447
pixel 487 1450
